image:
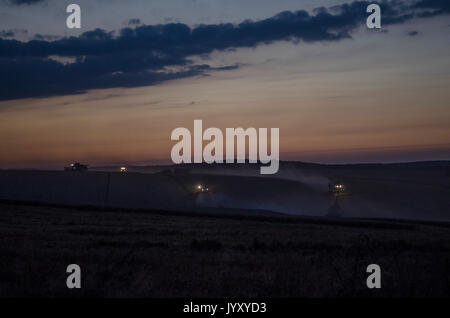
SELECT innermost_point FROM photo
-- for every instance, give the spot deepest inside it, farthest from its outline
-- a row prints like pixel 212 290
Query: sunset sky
pixel 112 92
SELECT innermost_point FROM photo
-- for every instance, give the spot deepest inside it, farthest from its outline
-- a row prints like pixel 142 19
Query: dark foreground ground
pixel 144 254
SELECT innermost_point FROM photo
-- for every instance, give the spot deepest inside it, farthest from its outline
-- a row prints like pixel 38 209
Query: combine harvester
pixel 337 190
pixel 201 188
pixel 76 167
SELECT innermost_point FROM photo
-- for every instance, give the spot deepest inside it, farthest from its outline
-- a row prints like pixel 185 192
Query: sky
pixel 113 91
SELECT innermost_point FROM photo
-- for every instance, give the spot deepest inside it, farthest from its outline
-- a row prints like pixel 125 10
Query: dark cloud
pixel 27 2
pixel 77 77
pixel 7 33
pixel 46 37
pixel 442 6
pixel 413 33
pixel 134 22
pixel 149 54
pixel 432 7
pixel 12 33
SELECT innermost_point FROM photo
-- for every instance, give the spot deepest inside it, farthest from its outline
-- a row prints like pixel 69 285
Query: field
pixel 160 254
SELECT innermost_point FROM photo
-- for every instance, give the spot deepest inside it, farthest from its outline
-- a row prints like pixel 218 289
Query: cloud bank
pixel 148 54
pixel 28 2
